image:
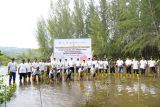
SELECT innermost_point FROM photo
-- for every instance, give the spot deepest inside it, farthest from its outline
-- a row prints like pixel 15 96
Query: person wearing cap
pixel 12 68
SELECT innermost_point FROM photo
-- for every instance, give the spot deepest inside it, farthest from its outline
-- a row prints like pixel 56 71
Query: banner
pixel 72 48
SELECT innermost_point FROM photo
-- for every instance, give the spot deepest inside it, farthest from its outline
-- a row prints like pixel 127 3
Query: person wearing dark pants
pixel 12 68
pixel 71 67
pixel 22 70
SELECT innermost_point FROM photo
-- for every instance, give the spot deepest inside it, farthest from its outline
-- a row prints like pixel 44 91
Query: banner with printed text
pixel 72 48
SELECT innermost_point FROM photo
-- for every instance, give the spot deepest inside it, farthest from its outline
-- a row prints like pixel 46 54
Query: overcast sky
pixel 18 21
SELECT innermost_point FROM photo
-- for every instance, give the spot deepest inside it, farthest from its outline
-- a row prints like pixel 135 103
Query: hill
pixel 13 51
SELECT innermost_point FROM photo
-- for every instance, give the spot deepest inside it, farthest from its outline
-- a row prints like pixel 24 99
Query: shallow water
pixel 108 92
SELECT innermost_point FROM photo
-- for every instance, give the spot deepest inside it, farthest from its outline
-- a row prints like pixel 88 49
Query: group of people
pixel 58 67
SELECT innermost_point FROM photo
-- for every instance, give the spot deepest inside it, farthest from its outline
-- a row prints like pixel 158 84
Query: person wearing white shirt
pixel 29 69
pixel 105 65
pixel 66 65
pixel 93 71
pixel 78 64
pixel 82 69
pixel 95 63
pixel 36 70
pixel 120 67
pixel 152 66
pixel 71 69
pixel 54 63
pixel 143 65
pixel 59 69
pixel 128 64
pixel 12 68
pixel 71 65
pixel 22 70
pixel 135 64
pixel 89 64
pixel 100 66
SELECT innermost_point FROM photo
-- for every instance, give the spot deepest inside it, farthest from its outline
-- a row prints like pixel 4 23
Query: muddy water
pixel 109 92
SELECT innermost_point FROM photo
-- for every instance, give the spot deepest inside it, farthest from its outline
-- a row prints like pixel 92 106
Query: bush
pixel 6 92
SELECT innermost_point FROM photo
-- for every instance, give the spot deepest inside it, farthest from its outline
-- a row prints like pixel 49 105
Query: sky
pixel 18 20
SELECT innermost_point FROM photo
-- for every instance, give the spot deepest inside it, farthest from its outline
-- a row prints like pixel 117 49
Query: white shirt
pixel 151 63
pixel 29 67
pixel 128 62
pixel 84 64
pixel 59 65
pixel 22 68
pixel 143 64
pixel 119 63
pixel 89 63
pixel 105 64
pixel 12 66
pixel 71 63
pixel 35 65
pixel 66 64
pixel 54 64
pixel 78 63
pixel 95 63
pixel 100 63
pixel 135 64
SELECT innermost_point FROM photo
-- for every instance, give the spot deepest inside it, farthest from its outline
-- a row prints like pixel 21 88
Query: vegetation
pixel 3 59
pixel 6 92
pixel 117 28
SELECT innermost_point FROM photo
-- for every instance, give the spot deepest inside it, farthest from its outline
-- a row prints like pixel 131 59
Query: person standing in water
pixel 120 67
pixel 22 70
pixel 152 66
pixel 128 64
pixel 29 69
pixel 12 68
pixel 143 65
pixel 135 64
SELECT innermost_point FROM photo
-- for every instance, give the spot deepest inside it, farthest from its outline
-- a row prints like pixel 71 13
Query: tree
pixel 43 38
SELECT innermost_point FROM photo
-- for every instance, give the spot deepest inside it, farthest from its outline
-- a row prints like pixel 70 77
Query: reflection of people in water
pixel 81 85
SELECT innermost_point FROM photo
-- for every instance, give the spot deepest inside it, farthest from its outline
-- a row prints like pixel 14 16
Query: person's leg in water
pixel 20 77
pixel 120 72
pixel 29 77
pixel 10 77
pixel 129 73
pixel 137 72
pixel 154 72
pixel 142 72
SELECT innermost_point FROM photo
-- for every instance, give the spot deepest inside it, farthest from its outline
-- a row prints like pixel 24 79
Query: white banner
pixel 72 48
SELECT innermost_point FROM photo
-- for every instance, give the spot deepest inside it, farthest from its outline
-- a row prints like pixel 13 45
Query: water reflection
pixel 109 92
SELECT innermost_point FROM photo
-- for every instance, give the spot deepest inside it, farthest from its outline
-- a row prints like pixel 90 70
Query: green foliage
pixel 3 59
pixel 118 28
pixel 6 92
